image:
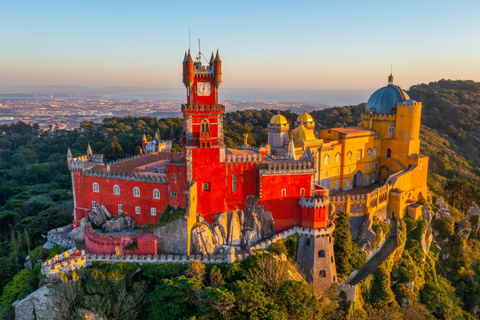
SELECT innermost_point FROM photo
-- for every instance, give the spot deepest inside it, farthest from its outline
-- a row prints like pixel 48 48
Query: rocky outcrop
pixel 202 239
pixel 77 234
pixel 173 237
pixel 427 238
pixel 366 236
pixel 443 212
pixel 119 223
pixel 38 300
pixel 98 216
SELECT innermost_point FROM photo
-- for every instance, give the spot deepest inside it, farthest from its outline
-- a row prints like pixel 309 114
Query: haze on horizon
pixel 328 45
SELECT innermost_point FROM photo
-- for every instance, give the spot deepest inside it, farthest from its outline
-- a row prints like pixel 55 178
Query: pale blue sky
pixel 263 44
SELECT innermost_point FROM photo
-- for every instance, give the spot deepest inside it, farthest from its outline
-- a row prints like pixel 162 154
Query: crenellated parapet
pixel 314 202
pixel 292 167
pixel 256 157
pixel 219 108
pixel 126 176
pixel 379 117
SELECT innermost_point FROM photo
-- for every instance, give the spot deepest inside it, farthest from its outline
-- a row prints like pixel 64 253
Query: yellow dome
pixel 304 117
pixel 300 134
pixel 278 119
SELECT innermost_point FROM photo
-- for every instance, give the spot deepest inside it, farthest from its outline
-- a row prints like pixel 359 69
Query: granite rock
pixel 202 239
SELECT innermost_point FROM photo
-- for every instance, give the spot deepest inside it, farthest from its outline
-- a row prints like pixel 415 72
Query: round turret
pixel 384 100
pixel 305 118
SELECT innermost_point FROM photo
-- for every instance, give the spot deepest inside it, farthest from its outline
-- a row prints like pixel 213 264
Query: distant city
pixel 69 113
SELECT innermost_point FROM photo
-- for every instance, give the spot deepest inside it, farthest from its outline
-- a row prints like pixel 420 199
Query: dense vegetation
pixel 35 196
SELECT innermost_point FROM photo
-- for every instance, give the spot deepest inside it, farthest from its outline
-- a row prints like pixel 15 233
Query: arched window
pixel 156 194
pixel 369 153
pixel 349 156
pixel 136 192
pixel 322 274
pixel 348 182
pixel 116 189
pixel 96 188
pixel 321 254
pixel 336 184
pixel 307 242
pixel 389 153
pixel 204 126
pixel 337 171
pixel 302 192
pixel 359 154
pixel 338 157
pixel 375 151
pixel 326 159
pixel 326 174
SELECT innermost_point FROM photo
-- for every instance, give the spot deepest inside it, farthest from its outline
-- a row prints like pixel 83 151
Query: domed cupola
pixel 384 100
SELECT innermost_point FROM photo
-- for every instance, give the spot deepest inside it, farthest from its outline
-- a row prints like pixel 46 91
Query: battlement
pixel 78 162
pixel 320 202
pixel 203 71
pixel 354 197
pixel 219 108
pixel 280 167
pixel 256 157
pixel 125 176
pixel 379 117
pixel 65 262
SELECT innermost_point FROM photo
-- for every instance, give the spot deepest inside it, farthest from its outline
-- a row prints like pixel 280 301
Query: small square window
pixel 120 208
pixel 137 210
pixel 174 194
pixel 206 186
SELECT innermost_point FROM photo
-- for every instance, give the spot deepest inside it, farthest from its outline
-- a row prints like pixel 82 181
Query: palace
pixel 302 177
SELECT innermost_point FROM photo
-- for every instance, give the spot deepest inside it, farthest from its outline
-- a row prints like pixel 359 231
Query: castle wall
pixel 279 193
pixel 246 183
pixel 85 195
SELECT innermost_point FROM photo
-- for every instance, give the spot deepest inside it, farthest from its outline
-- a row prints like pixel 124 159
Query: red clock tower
pixel 203 141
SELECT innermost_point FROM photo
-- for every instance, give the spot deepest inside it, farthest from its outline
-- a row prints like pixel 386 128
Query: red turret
pixel 218 70
pixel 144 141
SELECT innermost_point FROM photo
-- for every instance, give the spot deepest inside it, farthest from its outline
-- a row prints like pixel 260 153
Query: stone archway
pixel 357 180
pixel 383 174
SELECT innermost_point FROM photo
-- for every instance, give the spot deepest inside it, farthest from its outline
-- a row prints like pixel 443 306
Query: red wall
pixel 247 183
pixel 285 210
pixel 314 218
pixel 84 196
pixel 206 167
pixel 196 120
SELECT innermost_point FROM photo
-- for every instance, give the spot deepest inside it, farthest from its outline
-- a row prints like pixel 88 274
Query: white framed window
pixel 326 159
pixel 153 211
pixel 369 153
pixel 116 189
pixel 391 129
pixel 375 151
pixel 348 183
pixel 137 210
pixel 136 192
pixel 94 204
pixel 96 188
pixel 349 170
pixel 337 171
pixel 173 194
pixel 367 178
pixel 206 186
pixel 120 208
pixel 326 174
pixel 302 192
pixel 156 194
pixel 359 154
pixel 349 156
pixel 283 193
pixel 234 182
pixel 368 166
pixel 338 157
pixel 336 184
pixel 421 166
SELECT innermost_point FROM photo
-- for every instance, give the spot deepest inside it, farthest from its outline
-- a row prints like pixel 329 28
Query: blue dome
pixel 385 99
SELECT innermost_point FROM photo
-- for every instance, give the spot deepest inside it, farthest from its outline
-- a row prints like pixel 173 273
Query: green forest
pixel 36 196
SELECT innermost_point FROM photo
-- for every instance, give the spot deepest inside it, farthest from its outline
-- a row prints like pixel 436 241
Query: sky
pixel 297 45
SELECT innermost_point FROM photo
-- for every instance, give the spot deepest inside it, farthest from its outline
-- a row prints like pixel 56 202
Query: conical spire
pixel 89 150
pixel 212 58
pixel 185 57
pixel 189 56
pixel 291 150
pixel 217 58
pixel 157 135
pixel 69 153
pixel 144 137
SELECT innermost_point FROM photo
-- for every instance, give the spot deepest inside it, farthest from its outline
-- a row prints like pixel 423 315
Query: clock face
pixel 204 88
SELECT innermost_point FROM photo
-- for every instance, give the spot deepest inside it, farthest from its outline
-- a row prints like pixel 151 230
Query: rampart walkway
pixel 389 246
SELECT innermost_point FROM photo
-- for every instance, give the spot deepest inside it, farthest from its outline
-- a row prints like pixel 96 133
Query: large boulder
pixel 234 229
pixel 267 224
pixel 218 238
pixel 221 220
pixel 77 234
pixel 119 223
pixel 36 305
pixel 202 239
pixel 97 217
pixel 173 236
